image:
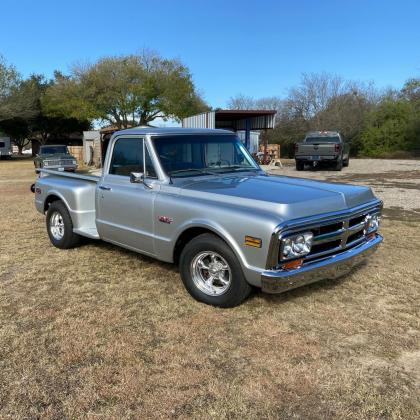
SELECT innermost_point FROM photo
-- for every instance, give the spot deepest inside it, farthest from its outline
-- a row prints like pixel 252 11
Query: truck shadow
pixel 318 168
pixel 173 269
pixel 303 291
pixel 107 246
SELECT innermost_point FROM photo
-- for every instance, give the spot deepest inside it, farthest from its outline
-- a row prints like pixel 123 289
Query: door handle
pixel 105 187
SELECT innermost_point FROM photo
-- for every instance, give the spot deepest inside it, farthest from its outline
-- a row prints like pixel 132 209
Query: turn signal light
pixel 289 265
pixel 371 236
pixel 251 241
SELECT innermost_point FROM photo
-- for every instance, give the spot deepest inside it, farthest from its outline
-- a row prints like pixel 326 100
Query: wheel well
pixel 50 199
pixel 187 236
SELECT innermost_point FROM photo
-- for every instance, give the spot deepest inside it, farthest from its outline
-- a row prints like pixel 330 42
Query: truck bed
pixel 78 193
pixel 91 178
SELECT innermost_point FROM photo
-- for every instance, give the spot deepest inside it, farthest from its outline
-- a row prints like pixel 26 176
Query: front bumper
pixel 316 158
pixel 60 167
pixel 331 267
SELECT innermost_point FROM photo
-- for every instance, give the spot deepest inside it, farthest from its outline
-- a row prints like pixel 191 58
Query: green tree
pixel 411 90
pixel 18 104
pixel 10 80
pixel 43 127
pixel 388 128
pixel 125 91
pixel 26 119
pixel 18 130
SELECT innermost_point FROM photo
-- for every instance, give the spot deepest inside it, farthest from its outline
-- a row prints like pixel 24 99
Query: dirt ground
pixel 100 332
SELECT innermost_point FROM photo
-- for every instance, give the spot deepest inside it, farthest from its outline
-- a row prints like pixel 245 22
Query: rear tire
pixel 346 162
pixel 60 226
pixel 339 165
pixel 211 272
pixel 300 166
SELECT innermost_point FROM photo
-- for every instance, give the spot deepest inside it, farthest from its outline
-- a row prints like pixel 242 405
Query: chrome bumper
pixel 331 267
pixel 61 167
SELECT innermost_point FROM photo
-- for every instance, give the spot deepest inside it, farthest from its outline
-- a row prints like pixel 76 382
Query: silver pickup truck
pixel 322 147
pixel 196 197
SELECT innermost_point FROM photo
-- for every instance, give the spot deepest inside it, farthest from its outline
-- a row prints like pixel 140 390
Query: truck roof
pixel 171 130
pixel 53 145
pixel 322 134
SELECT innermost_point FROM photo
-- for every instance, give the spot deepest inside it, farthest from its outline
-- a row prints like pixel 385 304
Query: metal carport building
pixel 245 120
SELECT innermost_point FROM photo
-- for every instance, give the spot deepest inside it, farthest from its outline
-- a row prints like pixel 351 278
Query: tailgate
pixel 315 149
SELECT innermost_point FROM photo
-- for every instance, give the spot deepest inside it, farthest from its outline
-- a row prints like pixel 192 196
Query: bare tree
pixel 241 102
pixel 314 93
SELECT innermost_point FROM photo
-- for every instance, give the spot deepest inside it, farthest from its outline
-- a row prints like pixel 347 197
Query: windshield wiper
pixel 238 168
pixel 201 171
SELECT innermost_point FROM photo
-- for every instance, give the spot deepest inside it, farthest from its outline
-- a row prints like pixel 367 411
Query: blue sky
pixel 257 48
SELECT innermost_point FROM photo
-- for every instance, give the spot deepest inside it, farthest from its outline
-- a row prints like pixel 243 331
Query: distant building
pixel 254 140
pixel 95 144
pixel 245 122
pixel 92 147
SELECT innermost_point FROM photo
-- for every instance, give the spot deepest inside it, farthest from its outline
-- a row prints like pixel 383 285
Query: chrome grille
pixel 332 234
pixel 339 236
pixel 58 162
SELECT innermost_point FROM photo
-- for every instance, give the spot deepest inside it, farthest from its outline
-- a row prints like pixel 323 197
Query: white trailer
pixel 5 148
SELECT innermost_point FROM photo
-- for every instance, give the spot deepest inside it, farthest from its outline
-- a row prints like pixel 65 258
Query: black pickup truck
pixel 322 147
pixel 55 156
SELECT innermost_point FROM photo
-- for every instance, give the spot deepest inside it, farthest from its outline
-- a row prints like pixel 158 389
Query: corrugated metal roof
pixel 234 119
pixel 169 130
pixel 204 120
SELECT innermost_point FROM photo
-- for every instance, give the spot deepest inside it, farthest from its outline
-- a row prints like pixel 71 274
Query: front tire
pixel 211 272
pixel 300 166
pixel 60 226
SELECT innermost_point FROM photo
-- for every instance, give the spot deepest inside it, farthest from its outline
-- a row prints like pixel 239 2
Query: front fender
pixel 217 229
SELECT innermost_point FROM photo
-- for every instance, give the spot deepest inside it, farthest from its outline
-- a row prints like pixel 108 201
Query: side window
pixel 127 157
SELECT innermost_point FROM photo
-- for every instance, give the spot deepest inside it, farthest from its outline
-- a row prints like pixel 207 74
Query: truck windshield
pixel 334 139
pixel 52 150
pixel 192 155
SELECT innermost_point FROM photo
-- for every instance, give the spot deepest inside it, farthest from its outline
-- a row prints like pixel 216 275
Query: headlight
pixel 296 246
pixel 372 223
pixel 46 163
pixel 74 162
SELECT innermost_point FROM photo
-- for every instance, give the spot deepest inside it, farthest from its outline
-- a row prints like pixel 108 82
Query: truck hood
pixel 285 196
pixel 56 156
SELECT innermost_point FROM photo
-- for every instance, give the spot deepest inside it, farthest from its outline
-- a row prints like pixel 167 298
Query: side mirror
pixel 136 177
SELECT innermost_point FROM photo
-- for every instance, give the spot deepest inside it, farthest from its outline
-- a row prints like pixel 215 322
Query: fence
pixel 77 152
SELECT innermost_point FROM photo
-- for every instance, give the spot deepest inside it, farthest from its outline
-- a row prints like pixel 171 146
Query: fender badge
pixel 165 219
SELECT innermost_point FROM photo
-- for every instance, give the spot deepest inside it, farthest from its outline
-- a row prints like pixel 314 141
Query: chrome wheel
pixel 57 226
pixel 211 273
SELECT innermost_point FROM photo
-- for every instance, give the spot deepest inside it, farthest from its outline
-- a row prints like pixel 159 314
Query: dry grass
pixel 102 332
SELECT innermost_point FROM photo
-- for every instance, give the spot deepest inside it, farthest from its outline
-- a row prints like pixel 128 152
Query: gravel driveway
pixel 396 182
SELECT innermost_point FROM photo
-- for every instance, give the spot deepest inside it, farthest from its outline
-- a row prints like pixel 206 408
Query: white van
pixel 5 148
